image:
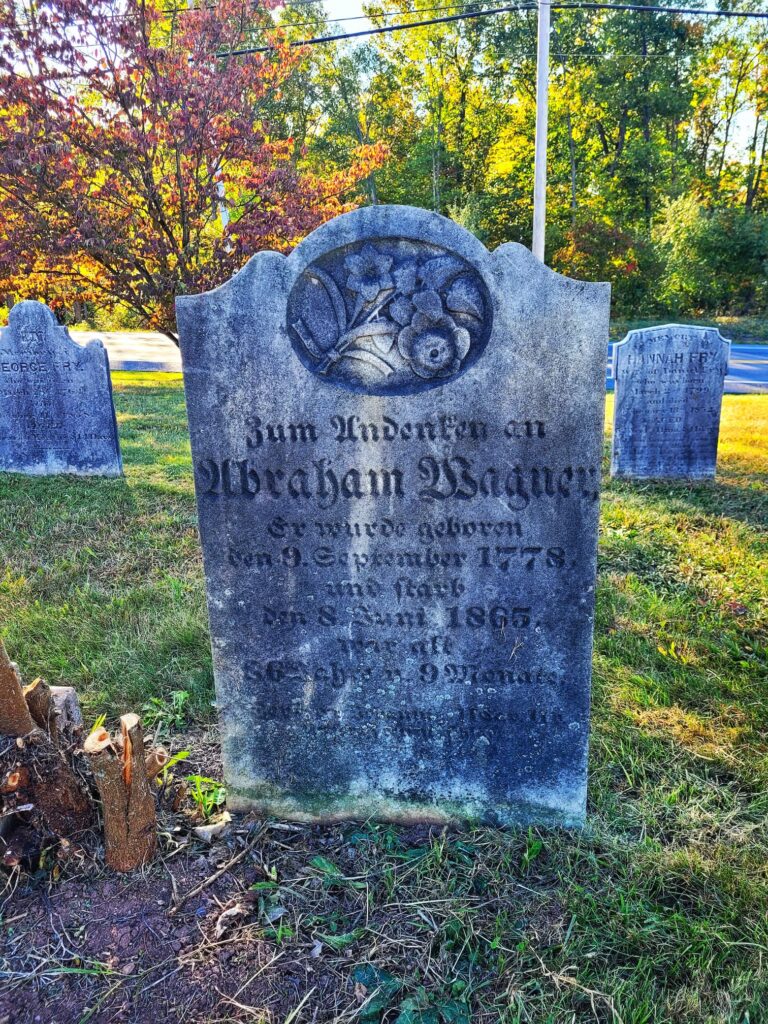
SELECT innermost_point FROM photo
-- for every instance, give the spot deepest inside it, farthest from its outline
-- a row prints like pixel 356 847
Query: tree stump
pixel 128 806
pixel 37 784
pixel 15 717
pixel 40 703
pixel 46 789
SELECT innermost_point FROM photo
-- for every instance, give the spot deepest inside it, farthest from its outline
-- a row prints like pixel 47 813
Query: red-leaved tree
pixel 137 162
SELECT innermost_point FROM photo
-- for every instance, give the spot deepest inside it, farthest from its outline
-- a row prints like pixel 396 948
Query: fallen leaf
pixel 213 829
pixel 736 608
pixel 227 917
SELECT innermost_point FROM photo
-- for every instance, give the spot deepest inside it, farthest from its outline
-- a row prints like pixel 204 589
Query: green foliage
pixel 595 249
pixel 208 794
pixel 332 875
pixel 716 259
pixel 166 715
pixel 381 988
pixel 645 113
pixel 657 175
pixel 173 760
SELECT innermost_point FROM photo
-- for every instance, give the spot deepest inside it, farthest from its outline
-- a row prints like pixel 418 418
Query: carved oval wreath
pixel 389 316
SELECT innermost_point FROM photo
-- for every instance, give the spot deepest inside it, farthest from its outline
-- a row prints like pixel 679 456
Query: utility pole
pixel 542 117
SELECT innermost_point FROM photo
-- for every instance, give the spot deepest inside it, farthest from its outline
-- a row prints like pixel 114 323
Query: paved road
pixel 135 350
pixel 748 373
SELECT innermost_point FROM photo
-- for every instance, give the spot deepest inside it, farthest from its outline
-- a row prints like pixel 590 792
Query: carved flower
pixel 432 343
pixel 369 273
pixel 407 278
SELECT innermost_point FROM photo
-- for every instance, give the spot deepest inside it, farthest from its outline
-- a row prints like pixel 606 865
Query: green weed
pixel 208 794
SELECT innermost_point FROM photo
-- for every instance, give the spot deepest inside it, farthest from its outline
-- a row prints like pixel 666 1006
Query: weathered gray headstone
pixel 396 441
pixel 56 411
pixel 669 390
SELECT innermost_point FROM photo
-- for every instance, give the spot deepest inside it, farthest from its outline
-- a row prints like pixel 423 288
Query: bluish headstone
pixel 669 391
pixel 56 411
pixel 396 439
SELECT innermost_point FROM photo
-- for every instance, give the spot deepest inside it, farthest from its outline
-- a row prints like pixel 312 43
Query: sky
pixel 346 9
pixel 343 8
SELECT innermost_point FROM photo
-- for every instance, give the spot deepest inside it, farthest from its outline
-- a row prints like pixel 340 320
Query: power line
pixel 244 51
pixel 386 14
pixel 378 31
pixel 659 10
pixel 467 15
pixel 295 4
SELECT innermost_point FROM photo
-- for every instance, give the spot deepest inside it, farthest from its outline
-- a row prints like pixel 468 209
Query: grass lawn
pixel 742 330
pixel 657 912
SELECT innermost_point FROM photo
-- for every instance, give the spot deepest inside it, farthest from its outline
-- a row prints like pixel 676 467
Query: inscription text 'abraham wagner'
pixel 434 480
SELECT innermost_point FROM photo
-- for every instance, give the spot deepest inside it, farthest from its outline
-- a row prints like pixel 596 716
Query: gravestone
pixel 396 442
pixel 669 390
pixel 56 411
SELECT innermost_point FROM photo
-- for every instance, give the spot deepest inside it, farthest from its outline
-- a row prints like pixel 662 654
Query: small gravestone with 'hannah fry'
pixel 669 391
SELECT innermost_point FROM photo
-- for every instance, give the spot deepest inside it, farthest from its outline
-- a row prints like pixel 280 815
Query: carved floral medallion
pixel 389 316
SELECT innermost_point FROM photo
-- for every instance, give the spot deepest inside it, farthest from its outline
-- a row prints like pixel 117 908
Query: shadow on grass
pixel 663 641
pixel 39 499
pixel 747 504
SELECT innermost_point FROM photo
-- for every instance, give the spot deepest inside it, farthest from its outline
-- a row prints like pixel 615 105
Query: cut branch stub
pixel 40 704
pixel 156 759
pixel 15 718
pixel 128 807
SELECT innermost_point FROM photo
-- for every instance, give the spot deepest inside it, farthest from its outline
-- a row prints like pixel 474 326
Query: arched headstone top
pixel 668 394
pixel 388 300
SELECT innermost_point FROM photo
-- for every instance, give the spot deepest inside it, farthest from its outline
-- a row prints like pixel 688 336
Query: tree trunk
pixel 646 137
pixel 755 166
pixel 619 142
pixel 760 166
pixel 572 157
pixel 730 115
pixel 40 703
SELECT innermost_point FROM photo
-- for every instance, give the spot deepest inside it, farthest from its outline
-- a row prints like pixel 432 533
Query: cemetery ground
pixel 656 912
